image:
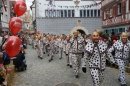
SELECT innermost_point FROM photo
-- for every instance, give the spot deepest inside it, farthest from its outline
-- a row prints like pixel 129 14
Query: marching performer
pixel 60 43
pixel 39 47
pixel 44 43
pixel 51 47
pixel 122 55
pixel 77 45
pixel 95 55
pixel 66 50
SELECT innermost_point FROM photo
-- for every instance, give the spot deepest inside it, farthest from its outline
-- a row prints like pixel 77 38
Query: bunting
pixel 83 6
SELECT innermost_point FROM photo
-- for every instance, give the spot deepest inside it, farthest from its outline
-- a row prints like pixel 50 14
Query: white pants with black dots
pixel 40 52
pixel 97 76
pixel 51 54
pixel 121 67
pixel 60 52
pixel 76 62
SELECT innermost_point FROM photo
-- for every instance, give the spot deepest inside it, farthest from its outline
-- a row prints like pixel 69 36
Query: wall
pixel 65 25
pixel 40 7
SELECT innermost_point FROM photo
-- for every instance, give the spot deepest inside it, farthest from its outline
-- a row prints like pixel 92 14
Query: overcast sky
pixel 29 3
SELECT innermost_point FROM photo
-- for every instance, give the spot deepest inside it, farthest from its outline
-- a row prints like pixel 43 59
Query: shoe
pixel 41 57
pixel 67 64
pixel 76 76
pixel 60 58
pixel 49 60
pixel 119 80
pixel 124 85
pixel 43 52
pixel 70 66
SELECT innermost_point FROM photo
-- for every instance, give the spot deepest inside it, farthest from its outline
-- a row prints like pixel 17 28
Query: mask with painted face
pixel 75 33
pixel 68 38
pixel 61 37
pixel 95 37
pixel 124 37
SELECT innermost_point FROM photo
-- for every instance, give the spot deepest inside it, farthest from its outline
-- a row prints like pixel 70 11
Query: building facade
pixel 115 16
pixel 7 13
pixel 32 7
pixel 64 16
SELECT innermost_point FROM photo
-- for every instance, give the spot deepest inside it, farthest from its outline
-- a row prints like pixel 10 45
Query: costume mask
pixel 61 37
pixel 124 37
pixel 75 33
pixel 95 37
pixel 68 38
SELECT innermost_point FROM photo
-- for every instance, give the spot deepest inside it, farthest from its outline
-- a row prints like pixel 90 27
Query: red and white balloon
pixel 20 7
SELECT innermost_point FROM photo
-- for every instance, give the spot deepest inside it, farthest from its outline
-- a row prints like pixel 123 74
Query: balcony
pixel 115 21
pixel 105 2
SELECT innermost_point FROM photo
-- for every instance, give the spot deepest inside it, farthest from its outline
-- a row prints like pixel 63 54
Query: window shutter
pixel 102 15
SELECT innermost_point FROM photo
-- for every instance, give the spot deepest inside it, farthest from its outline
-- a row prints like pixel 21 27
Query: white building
pixel 61 16
pixel 8 13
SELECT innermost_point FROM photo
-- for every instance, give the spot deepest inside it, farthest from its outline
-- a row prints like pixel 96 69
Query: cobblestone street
pixel 42 73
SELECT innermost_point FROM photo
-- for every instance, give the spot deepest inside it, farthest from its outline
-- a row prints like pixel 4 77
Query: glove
pixel 84 69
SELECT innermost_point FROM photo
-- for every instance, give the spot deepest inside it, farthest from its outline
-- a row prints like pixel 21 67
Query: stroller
pixel 20 62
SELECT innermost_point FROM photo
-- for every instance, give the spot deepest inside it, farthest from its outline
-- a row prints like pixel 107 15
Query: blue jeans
pixel 24 63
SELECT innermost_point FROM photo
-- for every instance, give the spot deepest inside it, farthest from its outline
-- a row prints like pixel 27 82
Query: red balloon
pixel 20 7
pixel 15 25
pixel 13 46
pixel 38 32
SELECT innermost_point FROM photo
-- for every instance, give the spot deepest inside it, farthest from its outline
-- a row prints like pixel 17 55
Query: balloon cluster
pixel 13 43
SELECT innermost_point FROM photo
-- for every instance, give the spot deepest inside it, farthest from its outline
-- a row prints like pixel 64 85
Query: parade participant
pixel 35 42
pixel 122 50
pixel 95 55
pixel 44 43
pixel 67 51
pixel 51 47
pixel 30 39
pixel 77 45
pixel 55 45
pixel 60 43
pixel 39 47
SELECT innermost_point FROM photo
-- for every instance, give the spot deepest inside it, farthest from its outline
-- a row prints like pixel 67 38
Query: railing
pixel 105 2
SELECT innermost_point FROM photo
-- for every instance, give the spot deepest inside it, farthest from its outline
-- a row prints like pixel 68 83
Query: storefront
pixel 116 30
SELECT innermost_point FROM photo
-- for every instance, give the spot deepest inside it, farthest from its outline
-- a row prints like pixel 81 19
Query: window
pixel 58 13
pixel 61 13
pixel 80 13
pixel 69 13
pixel 84 13
pixel 65 13
pixel 88 14
pixel 99 13
pixel 104 14
pixel 111 12
pixel 91 13
pixel 119 9
pixel 95 13
pixel 72 13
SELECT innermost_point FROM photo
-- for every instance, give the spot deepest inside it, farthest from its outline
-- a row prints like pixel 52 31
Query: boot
pixel 76 76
